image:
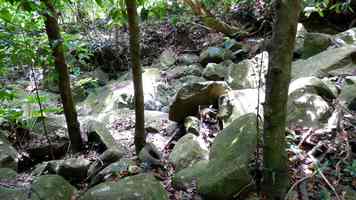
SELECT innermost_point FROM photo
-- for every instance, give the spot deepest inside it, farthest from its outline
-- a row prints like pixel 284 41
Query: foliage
pixel 352 168
pixel 321 6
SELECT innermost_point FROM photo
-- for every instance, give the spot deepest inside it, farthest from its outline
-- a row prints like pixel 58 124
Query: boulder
pixel 346 38
pixel 245 74
pixel 227 171
pixel 117 169
pixel 299 40
pixel 348 95
pixel 238 103
pixel 74 169
pixel 233 45
pixel 184 70
pixel 7 174
pixel 214 55
pixel 308 102
pixel 190 97
pixel 139 187
pixel 150 156
pixel 8 154
pixel 109 156
pixel 188 59
pixel 333 62
pixel 215 72
pixel 100 134
pixel 52 187
pixel 192 125
pixel 315 43
pixel 187 151
pixel 168 58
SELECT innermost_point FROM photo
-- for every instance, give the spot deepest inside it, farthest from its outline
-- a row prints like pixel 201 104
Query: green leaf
pixel 5 15
pixel 99 2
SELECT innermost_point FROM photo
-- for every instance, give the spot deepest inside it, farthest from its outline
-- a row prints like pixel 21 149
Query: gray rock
pixel 214 55
pixel 233 45
pixel 74 169
pixel 139 187
pixel 190 97
pixel 52 187
pixel 186 152
pixel 245 74
pixel 98 133
pixel 8 154
pixel 188 59
pixel 315 43
pixel 347 37
pixel 109 156
pixel 114 170
pixel 215 72
pixel 330 62
pixel 299 40
pixel 168 58
pixel 192 125
pixel 227 171
pixel 150 156
pixel 348 96
pixel 7 174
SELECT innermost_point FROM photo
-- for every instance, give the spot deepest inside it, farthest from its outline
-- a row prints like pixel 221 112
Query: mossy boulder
pixel 139 187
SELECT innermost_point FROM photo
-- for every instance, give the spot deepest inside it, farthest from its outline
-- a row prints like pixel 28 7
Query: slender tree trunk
pixel 140 136
pixel 56 43
pixel 275 109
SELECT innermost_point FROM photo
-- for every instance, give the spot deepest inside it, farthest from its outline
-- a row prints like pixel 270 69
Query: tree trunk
pixel 211 21
pixel 56 44
pixel 140 136
pixel 276 178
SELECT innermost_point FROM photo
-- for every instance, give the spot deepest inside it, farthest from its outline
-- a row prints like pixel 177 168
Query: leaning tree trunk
pixel 275 107
pixel 56 43
pixel 140 137
pixel 211 21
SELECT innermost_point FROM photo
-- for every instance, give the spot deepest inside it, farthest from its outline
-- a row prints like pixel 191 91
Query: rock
pixel 8 154
pixel 7 174
pixel 109 156
pixel 186 70
pixel 239 103
pixel 192 125
pixel 307 105
pixel 74 169
pixel 156 121
pixel 42 151
pixel 315 43
pixel 114 170
pixel 245 74
pixel 330 62
pixel 299 40
pixel 186 152
pixel 348 96
pixel 150 156
pixel 139 187
pixel 346 38
pixel 168 58
pixel 215 72
pixel 188 59
pixel 83 87
pixel 214 55
pixel 101 76
pixel 56 124
pixel 52 187
pixel 190 97
pixel 227 171
pixel 233 45
pixel 99 134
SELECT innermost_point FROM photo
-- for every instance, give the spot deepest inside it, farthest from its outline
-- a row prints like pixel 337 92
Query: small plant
pixel 352 168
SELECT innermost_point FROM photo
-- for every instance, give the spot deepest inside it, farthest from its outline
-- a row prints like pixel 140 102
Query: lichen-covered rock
pixel 7 174
pixel 188 59
pixel 139 187
pixel 315 43
pixel 52 187
pixel 330 62
pixel 192 125
pixel 307 102
pixel 245 74
pixel 74 169
pixel 214 55
pixel 100 134
pixel 187 151
pixel 168 58
pixel 109 156
pixel 8 154
pixel 346 38
pixel 114 170
pixel 190 97
pixel 227 171
pixel 215 72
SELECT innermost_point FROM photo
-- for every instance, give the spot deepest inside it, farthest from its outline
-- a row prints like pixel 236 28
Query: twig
pixel 305 137
pixel 297 183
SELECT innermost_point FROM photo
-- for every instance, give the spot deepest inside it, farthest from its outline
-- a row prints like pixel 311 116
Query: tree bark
pixel 276 178
pixel 56 44
pixel 140 136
